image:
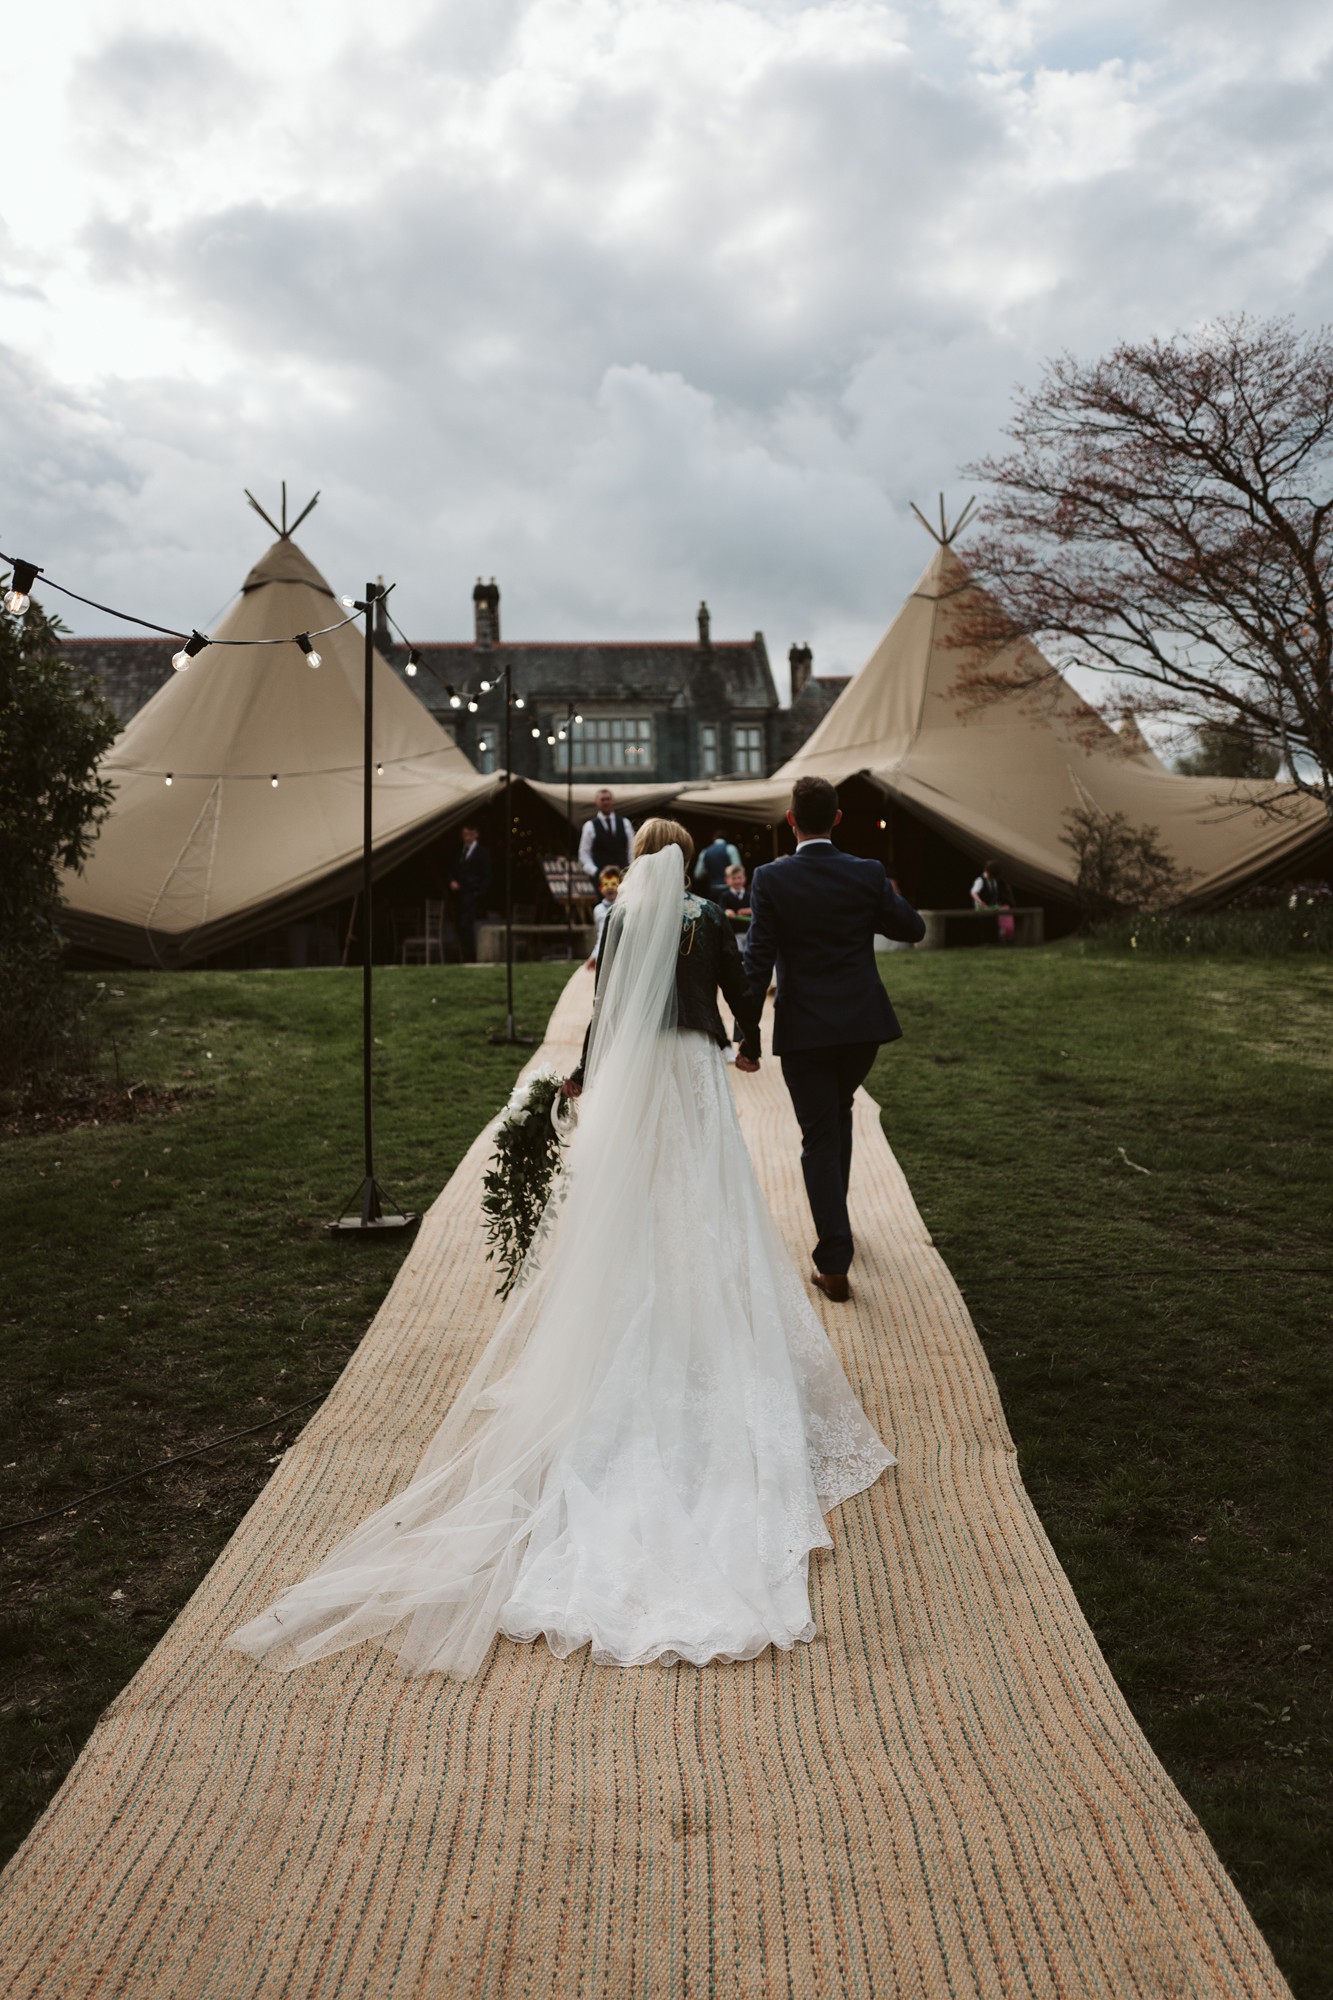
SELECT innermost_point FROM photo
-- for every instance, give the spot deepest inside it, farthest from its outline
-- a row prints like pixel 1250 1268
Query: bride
pixel 642 1458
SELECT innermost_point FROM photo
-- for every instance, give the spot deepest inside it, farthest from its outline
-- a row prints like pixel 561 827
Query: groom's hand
pixel 748 1064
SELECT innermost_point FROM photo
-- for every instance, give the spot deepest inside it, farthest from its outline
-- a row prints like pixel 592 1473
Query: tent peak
pixel 284 531
pixel 944 534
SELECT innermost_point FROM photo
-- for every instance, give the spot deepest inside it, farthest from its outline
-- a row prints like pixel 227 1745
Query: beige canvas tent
pixel 998 779
pixel 203 848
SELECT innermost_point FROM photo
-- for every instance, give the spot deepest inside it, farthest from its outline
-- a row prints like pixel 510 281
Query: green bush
pixel 1302 921
pixel 53 732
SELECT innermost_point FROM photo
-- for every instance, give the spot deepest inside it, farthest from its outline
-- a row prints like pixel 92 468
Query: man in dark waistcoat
pixel 607 840
pixel 813 916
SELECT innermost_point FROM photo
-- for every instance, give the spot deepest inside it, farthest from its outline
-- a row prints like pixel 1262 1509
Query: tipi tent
pixel 238 788
pixel 998 778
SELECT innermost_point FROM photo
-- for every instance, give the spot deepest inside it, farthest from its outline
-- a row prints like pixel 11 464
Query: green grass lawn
pixel 1161 1338
pixel 1162 1342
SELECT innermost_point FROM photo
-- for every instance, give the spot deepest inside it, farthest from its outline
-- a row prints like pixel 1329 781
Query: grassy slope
pixel 1164 1360
pixel 1161 1361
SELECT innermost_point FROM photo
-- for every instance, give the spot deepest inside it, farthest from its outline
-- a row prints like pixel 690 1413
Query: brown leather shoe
pixel 833 1284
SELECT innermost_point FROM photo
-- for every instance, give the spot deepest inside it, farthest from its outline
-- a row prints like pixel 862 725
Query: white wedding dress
pixel 643 1455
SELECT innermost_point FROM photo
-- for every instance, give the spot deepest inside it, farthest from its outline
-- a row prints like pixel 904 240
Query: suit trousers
pixel 821 1084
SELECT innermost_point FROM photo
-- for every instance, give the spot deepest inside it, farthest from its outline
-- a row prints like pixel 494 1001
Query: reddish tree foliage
pixel 1165 514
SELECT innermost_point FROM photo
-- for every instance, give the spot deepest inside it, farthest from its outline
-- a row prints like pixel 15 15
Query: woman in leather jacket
pixel 708 958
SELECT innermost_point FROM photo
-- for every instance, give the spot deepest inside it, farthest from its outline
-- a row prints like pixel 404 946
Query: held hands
pixel 747 1065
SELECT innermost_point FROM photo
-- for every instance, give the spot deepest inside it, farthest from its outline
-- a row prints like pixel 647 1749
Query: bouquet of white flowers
pixel 516 1187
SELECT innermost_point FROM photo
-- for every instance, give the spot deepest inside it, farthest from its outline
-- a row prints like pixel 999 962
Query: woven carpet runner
pixel 945 1795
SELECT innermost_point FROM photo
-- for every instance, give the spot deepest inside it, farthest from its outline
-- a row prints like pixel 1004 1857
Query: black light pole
pixel 373 1218
pixel 566 735
pixel 510 1034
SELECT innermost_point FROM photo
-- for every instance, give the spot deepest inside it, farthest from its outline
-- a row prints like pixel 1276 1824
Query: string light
pixel 274 781
pixel 518 701
pixel 413 662
pixel 348 603
pixel 168 777
pixel 312 658
pixel 472 708
pixel 550 739
pixel 455 701
pixel 559 735
pixel 21 582
pixel 483 747
pixel 194 644
pixel 485 687
pixel 379 770
pixel 536 733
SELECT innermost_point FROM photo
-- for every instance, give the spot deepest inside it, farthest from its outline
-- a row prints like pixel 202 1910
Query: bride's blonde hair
pixel 655 834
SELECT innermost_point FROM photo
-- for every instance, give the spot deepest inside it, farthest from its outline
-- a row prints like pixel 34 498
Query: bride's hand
pixel 748 1064
pixel 571 1089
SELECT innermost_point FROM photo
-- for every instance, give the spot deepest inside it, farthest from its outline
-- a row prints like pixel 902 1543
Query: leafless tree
pixel 1165 515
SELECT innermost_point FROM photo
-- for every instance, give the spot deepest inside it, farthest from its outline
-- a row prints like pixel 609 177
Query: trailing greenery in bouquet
pixel 516 1187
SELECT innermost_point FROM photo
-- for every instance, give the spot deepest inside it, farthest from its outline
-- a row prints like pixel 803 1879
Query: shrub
pixel 53 733
pixel 1121 867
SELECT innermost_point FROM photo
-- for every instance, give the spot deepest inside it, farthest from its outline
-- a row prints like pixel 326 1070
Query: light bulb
pixel 455 701
pixel 312 658
pixel 274 781
pixel 579 720
pixel 472 708
pixel 413 661
pixel 536 732
pixel 485 687
pixel 550 739
pixel 194 644
pixel 168 777
pixel 560 735
pixel 21 581
pixel 518 701
pixel 347 603
pixel 379 770
pixel 483 747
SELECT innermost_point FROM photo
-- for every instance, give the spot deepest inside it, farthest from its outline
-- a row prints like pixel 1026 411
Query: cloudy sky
pixel 623 301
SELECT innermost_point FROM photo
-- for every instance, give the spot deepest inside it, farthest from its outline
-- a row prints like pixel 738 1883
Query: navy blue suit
pixel 814 916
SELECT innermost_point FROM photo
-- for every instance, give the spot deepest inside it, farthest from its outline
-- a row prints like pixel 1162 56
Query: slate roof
pixel 731 674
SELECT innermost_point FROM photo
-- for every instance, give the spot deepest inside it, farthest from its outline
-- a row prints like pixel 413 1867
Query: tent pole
pixel 370 1197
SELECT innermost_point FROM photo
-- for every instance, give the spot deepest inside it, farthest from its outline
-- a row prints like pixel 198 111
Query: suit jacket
pixel 814 918
pixel 731 901
pixel 473 875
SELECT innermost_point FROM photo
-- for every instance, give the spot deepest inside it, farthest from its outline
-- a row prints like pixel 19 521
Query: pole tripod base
pixel 376 1214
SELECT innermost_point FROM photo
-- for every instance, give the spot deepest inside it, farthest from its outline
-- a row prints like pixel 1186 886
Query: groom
pixel 814 915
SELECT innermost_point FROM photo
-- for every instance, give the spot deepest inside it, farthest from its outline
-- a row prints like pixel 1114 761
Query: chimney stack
pixel 801 661
pixel 486 613
pixel 704 625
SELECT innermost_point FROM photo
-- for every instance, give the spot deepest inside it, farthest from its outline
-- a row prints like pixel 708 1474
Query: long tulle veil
pixel 431 1572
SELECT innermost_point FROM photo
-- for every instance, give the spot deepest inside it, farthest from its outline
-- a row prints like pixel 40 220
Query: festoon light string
pixel 18 601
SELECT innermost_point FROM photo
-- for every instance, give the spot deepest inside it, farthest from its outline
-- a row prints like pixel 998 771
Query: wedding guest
pixel 733 898
pixel 471 885
pixel 607 840
pixel 986 893
pixel 610 888
pixel 713 863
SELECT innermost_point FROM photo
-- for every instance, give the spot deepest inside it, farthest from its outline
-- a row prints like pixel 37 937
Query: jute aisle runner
pixel 945 1795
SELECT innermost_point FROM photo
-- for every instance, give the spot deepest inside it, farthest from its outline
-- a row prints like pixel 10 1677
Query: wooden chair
pixel 419 950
